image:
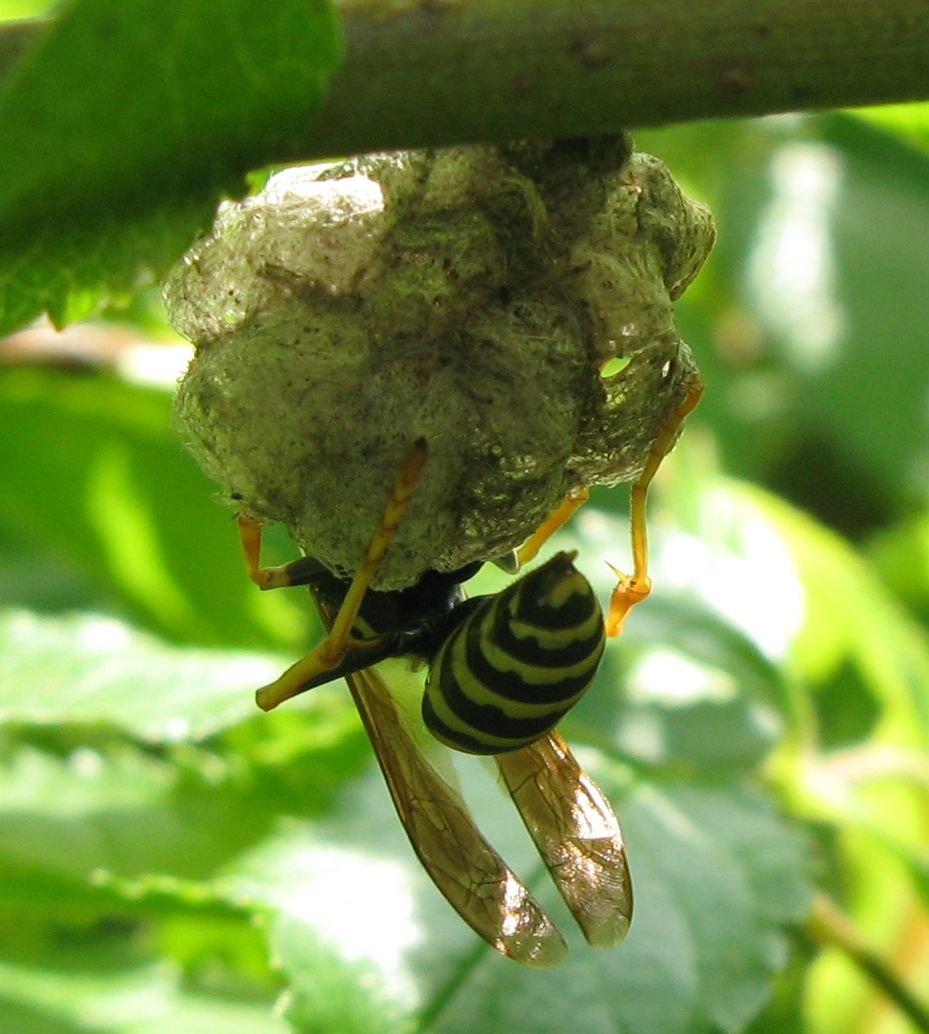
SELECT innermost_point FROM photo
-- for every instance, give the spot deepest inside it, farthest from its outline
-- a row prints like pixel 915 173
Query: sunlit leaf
pixel 177 101
pixel 909 122
pixel 118 811
pixel 146 999
pixel 98 480
pixel 851 616
pixel 717 876
pixel 93 669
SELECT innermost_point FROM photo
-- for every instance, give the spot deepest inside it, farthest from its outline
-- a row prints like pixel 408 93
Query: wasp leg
pixel 633 588
pixel 250 540
pixel 571 503
pixel 328 654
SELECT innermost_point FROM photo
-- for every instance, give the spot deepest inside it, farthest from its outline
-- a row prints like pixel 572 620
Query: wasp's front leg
pixel 250 540
pixel 317 660
pixel 328 654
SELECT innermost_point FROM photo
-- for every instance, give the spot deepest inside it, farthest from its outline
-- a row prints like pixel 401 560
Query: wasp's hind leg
pixel 330 652
pixel 632 588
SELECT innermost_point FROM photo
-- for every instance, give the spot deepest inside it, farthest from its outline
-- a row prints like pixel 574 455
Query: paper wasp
pixel 488 656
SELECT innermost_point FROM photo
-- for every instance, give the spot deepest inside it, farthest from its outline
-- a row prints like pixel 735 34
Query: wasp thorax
pixel 509 305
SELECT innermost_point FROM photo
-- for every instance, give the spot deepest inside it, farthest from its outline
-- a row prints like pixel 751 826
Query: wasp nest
pixel 509 305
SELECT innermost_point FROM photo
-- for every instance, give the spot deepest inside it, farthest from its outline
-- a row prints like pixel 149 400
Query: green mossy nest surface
pixel 510 305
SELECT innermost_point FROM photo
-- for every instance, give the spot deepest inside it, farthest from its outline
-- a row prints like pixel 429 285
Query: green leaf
pixel 97 479
pixel 177 101
pixel 901 555
pixel 59 898
pixel 71 271
pixel 853 619
pixel 116 810
pixel 909 122
pixel 86 669
pixel 682 687
pixel 717 876
pixel 329 993
pixel 147 999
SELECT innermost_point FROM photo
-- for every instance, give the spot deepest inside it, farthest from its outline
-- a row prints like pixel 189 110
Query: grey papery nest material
pixel 510 305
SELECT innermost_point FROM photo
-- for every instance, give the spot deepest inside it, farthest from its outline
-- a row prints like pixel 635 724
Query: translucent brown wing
pixel 576 833
pixel 474 879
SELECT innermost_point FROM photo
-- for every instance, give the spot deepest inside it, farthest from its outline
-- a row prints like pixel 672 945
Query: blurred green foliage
pixel 174 106
pixel 173 860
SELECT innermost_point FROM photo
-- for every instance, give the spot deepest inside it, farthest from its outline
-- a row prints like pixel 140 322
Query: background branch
pixel 450 71
pixel 829 927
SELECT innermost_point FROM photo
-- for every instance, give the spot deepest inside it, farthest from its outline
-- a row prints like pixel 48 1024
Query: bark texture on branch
pixel 462 70
pixel 432 72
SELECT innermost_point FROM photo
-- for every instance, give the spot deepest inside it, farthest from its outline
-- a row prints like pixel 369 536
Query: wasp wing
pixel 576 833
pixel 474 879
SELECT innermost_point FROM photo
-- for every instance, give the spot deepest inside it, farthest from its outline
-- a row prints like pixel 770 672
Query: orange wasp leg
pixel 571 503
pixel 250 540
pixel 333 648
pixel 633 588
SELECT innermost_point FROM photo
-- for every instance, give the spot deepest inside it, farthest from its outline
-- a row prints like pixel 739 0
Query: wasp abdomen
pixel 517 663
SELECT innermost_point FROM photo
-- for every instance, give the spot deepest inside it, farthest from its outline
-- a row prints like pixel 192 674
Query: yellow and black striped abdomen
pixel 511 670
